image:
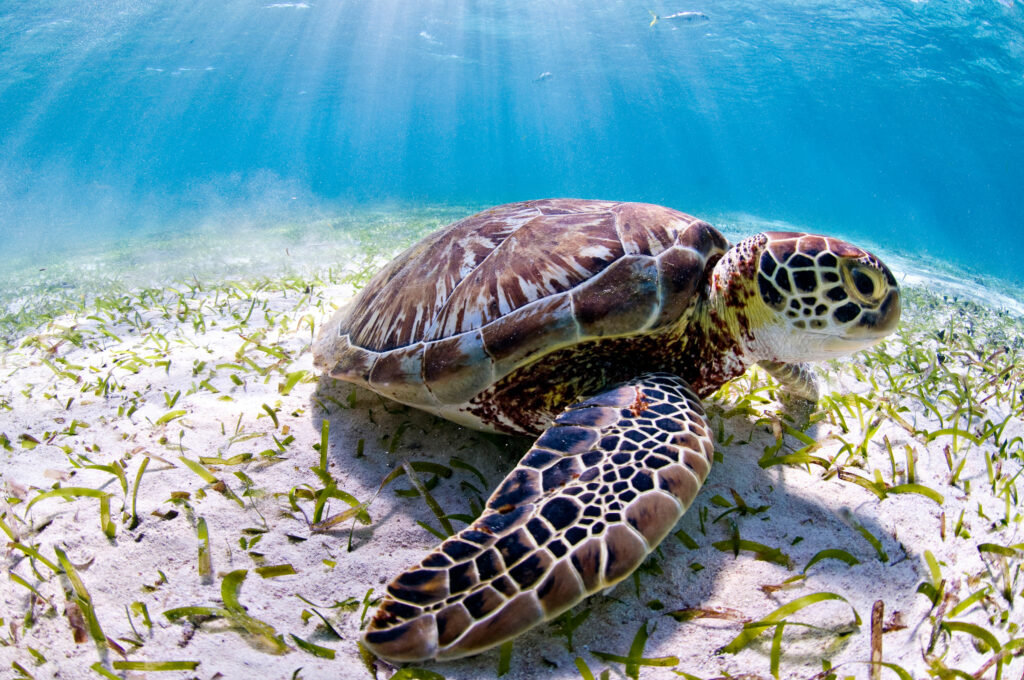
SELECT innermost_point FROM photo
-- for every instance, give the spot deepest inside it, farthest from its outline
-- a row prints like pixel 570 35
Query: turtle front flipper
pixel 798 380
pixel 586 504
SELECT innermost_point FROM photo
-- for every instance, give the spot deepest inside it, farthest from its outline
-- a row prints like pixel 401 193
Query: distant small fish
pixel 678 16
pixel 547 75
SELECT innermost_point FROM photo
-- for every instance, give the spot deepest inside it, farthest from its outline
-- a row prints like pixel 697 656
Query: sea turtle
pixel 598 326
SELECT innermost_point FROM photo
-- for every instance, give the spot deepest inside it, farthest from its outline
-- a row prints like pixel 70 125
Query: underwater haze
pixel 893 121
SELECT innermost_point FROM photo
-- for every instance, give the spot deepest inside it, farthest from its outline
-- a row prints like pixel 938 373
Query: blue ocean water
pixel 900 122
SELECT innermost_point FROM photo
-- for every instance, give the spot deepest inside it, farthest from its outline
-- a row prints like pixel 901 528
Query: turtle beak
pixel 872 326
pixel 881 322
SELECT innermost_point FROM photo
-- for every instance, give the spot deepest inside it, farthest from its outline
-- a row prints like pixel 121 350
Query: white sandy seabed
pixel 106 388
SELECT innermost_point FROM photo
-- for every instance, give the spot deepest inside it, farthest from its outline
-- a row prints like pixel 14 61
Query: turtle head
pixel 800 297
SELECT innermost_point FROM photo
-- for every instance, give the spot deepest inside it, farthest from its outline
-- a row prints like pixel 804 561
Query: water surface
pixel 897 122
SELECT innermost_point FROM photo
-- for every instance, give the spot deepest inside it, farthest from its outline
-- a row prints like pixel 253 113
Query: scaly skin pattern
pixel 596 493
pixel 636 310
pixel 528 400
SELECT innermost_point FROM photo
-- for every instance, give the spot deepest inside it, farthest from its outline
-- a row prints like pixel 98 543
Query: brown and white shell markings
pixel 597 326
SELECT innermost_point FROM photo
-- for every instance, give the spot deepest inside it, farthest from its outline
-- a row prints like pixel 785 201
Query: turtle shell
pixel 498 290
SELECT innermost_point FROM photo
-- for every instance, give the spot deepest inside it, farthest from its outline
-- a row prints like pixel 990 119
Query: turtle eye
pixel 863 283
pixel 865 286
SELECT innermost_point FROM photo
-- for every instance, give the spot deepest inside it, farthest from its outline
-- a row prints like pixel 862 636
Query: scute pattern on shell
pixel 488 265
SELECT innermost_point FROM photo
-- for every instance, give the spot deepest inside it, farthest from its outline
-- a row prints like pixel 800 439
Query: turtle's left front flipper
pixel 798 381
pixel 587 503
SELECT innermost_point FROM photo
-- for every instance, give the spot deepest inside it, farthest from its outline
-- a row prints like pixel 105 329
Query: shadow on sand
pixel 674 577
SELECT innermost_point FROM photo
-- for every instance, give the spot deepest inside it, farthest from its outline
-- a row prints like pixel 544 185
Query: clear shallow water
pixel 898 122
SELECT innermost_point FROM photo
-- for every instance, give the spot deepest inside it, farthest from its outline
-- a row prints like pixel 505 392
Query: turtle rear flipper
pixel 586 504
